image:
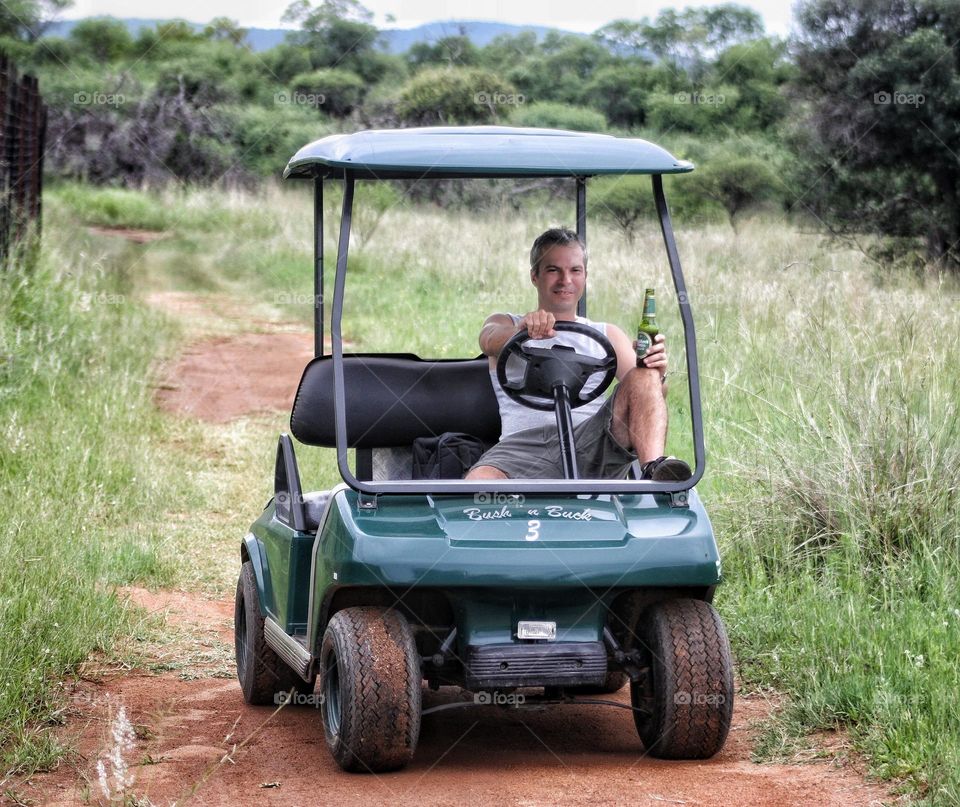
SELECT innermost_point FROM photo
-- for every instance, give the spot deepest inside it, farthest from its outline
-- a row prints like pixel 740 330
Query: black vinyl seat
pixel 392 399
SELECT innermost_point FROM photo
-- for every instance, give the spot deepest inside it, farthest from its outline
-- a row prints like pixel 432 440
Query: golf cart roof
pixel 444 152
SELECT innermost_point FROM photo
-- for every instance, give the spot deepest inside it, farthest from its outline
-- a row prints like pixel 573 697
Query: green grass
pixel 76 426
pixel 829 390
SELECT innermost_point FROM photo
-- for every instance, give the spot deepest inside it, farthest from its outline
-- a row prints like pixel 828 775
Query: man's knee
pixel 486 472
pixel 642 381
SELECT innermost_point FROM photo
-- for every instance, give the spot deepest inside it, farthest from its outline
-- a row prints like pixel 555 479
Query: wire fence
pixel 23 125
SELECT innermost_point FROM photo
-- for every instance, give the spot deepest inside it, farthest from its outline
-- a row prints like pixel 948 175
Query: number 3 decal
pixel 533 530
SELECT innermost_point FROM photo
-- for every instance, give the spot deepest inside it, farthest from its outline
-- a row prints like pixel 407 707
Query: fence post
pixel 23 119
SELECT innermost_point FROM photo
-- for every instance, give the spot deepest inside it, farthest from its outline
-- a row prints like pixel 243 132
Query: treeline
pixel 200 105
pixel 850 123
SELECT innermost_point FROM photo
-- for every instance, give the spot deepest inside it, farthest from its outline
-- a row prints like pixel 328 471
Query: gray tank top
pixel 515 417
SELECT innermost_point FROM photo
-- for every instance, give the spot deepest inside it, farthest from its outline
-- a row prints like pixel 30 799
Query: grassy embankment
pixel 830 394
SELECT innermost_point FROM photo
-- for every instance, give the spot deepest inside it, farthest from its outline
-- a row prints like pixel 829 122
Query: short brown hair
pixel 554 237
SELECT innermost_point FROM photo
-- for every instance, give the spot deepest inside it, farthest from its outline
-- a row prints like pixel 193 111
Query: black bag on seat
pixel 448 456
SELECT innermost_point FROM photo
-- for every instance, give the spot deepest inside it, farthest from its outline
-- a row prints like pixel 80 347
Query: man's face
pixel 561 279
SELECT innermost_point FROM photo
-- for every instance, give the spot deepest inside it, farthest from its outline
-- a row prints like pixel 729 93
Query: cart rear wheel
pixel 263 675
pixel 689 692
pixel 371 681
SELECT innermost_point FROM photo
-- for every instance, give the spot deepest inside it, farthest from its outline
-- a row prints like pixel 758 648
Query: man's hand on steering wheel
pixel 539 324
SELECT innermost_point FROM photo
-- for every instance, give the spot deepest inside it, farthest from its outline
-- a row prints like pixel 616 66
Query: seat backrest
pixel 394 398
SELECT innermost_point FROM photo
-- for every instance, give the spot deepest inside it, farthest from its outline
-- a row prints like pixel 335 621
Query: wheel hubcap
pixel 331 695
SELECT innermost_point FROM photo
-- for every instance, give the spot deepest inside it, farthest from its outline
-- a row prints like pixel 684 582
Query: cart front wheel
pixel 264 677
pixel 687 697
pixel 371 681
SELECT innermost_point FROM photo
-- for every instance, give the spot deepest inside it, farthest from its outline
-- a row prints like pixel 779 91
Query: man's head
pixel 558 268
pixel 554 237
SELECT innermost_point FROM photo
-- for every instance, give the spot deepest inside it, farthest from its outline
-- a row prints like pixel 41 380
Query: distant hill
pixel 395 40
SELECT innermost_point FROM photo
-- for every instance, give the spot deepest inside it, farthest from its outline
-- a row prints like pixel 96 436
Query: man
pixel 609 435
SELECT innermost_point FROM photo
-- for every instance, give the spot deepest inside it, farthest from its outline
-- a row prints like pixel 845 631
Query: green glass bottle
pixel 648 326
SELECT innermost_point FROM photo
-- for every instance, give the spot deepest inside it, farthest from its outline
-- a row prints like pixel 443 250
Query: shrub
pixel 335 91
pixel 553 115
pixel 454 95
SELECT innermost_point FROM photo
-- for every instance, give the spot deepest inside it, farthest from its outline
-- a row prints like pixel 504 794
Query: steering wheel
pixel 544 368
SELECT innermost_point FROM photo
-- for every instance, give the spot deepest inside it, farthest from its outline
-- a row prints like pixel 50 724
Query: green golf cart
pixel 553 589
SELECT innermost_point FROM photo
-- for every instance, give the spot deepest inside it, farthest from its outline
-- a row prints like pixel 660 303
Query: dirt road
pixel 195 741
pixel 198 743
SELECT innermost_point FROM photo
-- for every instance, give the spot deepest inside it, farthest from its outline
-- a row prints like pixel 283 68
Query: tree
pixel 623 201
pixel 880 81
pixel 227 30
pixel 449 50
pixel 759 70
pixel 620 92
pixel 686 39
pixel 736 182
pixel 559 68
pixel 28 19
pixel 105 40
pixel 337 33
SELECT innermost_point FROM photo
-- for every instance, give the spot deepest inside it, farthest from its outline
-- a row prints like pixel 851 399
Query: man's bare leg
pixel 486 472
pixel 640 414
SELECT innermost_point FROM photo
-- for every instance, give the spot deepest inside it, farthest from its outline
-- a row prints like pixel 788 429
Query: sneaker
pixel 666 469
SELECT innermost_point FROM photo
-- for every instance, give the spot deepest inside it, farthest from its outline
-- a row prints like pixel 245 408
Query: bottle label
pixel 643 345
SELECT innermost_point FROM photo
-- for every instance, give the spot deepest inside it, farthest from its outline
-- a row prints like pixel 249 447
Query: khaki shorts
pixel 535 453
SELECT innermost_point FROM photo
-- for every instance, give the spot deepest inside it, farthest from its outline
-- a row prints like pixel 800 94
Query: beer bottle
pixel 648 326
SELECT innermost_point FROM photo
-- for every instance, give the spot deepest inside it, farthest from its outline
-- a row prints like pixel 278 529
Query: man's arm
pixel 495 333
pixel 499 328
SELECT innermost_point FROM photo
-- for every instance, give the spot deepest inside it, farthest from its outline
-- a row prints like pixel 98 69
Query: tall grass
pixel 830 397
pixel 75 472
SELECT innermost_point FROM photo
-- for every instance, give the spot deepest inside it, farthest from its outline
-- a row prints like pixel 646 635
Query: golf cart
pixel 550 588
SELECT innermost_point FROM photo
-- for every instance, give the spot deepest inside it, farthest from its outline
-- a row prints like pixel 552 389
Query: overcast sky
pixel 573 15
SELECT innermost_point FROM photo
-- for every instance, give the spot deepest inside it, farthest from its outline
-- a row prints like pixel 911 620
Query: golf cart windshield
pixel 322 415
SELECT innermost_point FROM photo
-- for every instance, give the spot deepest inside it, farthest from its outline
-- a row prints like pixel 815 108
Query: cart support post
pixel 690 339
pixel 317 267
pixel 339 384
pixel 582 232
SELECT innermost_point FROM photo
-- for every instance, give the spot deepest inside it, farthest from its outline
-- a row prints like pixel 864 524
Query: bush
pixel 286 61
pixel 113 207
pixel 336 91
pixel 552 115
pixel 701 111
pixel 454 95
pixel 265 139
